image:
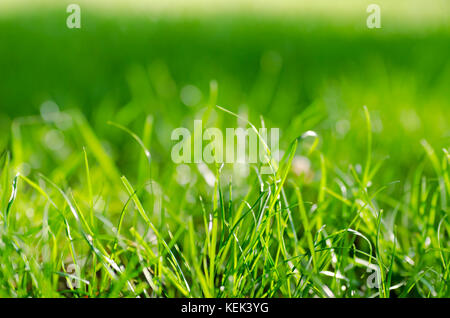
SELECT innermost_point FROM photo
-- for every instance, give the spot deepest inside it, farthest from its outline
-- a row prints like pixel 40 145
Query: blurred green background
pixel 301 65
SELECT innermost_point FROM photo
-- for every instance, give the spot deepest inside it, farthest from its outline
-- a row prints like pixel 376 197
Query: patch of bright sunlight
pixel 413 13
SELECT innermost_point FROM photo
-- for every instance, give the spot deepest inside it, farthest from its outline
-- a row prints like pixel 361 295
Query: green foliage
pixel 92 206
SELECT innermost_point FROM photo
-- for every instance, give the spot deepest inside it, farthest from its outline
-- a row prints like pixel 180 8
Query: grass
pixel 92 205
pixel 268 242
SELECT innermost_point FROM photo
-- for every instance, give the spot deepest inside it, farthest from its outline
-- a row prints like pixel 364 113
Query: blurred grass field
pixel 363 199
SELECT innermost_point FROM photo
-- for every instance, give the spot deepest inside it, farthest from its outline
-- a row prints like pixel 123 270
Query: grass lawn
pixel 92 204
